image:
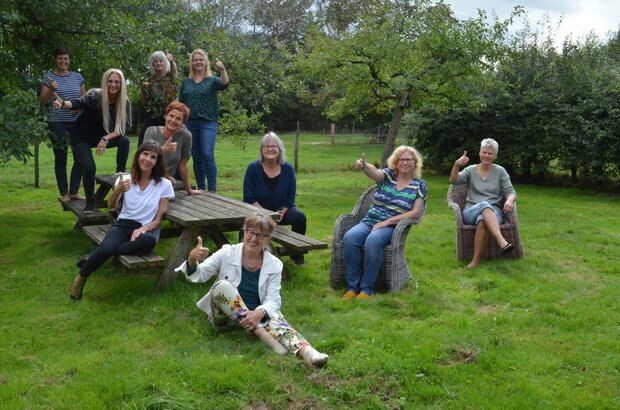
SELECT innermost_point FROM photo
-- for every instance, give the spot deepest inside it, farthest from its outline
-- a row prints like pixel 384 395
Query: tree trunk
pixel 394 126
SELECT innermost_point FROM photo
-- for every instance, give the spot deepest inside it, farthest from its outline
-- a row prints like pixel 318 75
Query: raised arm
pixel 369 169
pixel 223 74
pixel 461 162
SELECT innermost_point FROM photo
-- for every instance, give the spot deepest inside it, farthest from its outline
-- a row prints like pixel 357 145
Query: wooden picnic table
pixel 209 214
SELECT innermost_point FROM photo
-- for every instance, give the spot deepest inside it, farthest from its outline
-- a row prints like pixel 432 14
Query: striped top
pixel 68 88
pixel 389 201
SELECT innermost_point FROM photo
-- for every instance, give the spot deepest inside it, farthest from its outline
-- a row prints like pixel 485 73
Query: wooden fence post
pixel 36 165
pixel 332 132
pixel 296 149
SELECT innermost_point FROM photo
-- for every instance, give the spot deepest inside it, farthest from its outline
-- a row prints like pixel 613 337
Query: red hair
pixel 176 105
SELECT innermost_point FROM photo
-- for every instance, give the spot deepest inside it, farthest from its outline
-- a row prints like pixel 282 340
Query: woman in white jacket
pixel 247 289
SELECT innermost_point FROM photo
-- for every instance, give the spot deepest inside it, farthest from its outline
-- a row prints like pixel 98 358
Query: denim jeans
pixel 361 276
pixel 473 214
pixel 204 134
pixel 60 146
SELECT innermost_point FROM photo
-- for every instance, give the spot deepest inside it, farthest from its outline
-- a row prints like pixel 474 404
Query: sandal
pixel 508 248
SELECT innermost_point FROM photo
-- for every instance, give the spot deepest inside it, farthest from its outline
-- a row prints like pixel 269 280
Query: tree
pixel 400 55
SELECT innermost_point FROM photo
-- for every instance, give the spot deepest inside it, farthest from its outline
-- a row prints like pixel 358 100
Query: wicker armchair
pixel 457 196
pixel 394 270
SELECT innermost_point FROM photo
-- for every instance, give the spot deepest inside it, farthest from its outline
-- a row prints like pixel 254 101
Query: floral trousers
pixel 228 307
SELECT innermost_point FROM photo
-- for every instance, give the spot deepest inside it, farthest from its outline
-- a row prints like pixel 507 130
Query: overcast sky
pixel 578 16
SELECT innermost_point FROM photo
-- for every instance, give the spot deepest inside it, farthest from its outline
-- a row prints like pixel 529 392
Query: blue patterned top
pixel 389 201
pixel 201 98
pixel 68 88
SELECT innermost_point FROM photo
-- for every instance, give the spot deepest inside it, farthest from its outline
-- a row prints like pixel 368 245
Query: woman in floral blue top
pixel 401 194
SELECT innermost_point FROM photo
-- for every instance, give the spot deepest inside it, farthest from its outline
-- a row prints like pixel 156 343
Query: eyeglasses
pixel 258 235
pixel 406 160
pixel 271 147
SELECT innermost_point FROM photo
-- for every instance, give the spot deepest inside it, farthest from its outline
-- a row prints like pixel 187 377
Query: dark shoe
pixel 299 260
pixel 89 209
pixel 81 261
pixel 508 248
pixel 77 287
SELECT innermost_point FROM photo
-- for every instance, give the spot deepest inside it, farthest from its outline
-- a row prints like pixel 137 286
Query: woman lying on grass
pixel 145 200
pixel 247 290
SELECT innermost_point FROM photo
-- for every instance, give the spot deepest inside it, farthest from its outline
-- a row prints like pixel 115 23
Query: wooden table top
pixel 210 209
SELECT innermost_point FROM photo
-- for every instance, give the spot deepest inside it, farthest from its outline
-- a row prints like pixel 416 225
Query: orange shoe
pixel 362 296
pixel 349 295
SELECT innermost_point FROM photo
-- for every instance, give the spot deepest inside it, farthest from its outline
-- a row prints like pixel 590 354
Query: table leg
pixel 179 254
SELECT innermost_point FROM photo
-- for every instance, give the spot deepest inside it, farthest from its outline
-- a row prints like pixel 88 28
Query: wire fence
pixel 378 132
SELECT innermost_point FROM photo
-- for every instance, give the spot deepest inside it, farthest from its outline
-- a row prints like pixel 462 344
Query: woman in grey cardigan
pixel 487 185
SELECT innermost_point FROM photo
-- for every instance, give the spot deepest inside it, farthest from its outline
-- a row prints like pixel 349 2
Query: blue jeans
pixel 473 214
pixel 60 145
pixel 204 134
pixel 362 278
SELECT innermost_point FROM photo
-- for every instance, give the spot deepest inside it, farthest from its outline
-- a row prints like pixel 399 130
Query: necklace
pixel 249 266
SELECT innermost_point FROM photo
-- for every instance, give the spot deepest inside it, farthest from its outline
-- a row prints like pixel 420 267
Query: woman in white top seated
pixel 246 292
pixel 145 200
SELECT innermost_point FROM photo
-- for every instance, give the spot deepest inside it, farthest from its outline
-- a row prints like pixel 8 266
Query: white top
pixel 226 264
pixel 141 206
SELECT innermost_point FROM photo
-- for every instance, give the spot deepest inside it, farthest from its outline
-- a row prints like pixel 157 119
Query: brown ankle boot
pixel 77 287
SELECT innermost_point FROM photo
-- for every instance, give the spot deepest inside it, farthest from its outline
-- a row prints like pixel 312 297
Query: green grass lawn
pixel 540 332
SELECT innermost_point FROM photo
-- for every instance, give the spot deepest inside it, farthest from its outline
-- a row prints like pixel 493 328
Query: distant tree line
pixel 410 67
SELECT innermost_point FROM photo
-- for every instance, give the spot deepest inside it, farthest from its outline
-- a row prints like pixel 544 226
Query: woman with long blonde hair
pixel 102 124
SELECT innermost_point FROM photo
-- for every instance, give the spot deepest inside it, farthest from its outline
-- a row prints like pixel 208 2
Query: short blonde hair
pixel 417 158
pixel 192 73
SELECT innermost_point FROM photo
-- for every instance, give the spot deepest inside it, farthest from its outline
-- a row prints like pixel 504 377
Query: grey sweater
pixel 495 187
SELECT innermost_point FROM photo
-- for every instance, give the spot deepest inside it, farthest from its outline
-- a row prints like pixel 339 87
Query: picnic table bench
pixel 98 217
pixel 148 261
pixel 189 216
pixel 290 243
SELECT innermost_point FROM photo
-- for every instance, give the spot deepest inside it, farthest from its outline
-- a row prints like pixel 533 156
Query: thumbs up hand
pixel 124 183
pixel 169 146
pixel 361 163
pixel 463 160
pixel 198 254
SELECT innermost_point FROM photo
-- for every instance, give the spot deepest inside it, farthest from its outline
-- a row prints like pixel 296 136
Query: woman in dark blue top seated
pixel 270 183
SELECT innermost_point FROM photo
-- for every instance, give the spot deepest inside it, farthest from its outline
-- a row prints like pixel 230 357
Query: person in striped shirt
pixel 67 85
pixel 401 194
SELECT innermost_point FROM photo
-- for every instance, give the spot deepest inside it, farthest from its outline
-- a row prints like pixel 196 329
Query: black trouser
pixel 60 144
pixel 296 218
pixel 149 122
pixel 118 242
pixel 83 155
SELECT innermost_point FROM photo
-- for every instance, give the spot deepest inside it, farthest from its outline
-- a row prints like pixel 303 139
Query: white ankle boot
pixel 270 341
pixel 314 357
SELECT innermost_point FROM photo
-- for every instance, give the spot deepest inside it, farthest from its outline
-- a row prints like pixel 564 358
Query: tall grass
pixel 540 332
